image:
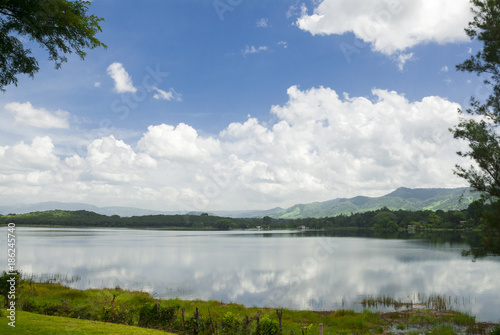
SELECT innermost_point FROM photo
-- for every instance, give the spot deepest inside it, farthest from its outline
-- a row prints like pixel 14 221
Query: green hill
pixel 402 198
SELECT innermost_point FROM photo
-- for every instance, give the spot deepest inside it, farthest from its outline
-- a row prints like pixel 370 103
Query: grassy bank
pixel 30 323
pixel 135 309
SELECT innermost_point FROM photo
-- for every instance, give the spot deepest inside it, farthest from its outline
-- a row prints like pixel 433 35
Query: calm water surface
pixel 293 269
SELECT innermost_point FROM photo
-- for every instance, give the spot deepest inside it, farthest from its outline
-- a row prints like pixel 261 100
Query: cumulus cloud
pixel 37 155
pixel 262 23
pixel 26 114
pixel 253 50
pixel 390 26
pixel 358 143
pixel 114 160
pixel 178 143
pixel 123 81
pixel 164 95
pixel 323 145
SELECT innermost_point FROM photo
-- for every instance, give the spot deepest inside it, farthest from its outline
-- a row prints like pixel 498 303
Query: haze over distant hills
pixel 117 210
pixel 402 198
pixel 76 206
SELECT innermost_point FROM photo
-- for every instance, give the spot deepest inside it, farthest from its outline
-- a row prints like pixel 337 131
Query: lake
pixel 318 270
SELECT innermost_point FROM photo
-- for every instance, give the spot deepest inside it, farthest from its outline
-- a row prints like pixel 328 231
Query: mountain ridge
pixel 120 210
pixel 401 198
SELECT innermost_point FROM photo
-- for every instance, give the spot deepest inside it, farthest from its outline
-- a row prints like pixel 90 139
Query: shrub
pixel 156 316
pixel 117 315
pixel 305 330
pixel 51 309
pixel 88 312
pixel 230 324
pixel 268 327
pixel 196 325
pixel 29 306
pixel 495 331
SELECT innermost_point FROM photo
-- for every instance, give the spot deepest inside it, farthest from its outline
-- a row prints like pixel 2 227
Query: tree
pixel 385 220
pixel 434 219
pixel 224 224
pixel 481 130
pixel 491 241
pixel 59 26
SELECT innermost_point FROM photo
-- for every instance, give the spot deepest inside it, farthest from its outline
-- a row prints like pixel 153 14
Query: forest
pixel 381 219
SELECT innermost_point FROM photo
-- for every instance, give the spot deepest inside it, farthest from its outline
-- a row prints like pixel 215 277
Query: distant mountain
pixel 402 198
pixel 75 206
pixel 121 211
pixel 247 213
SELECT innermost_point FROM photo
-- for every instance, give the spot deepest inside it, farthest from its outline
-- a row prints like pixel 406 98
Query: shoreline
pixel 116 305
pixel 248 229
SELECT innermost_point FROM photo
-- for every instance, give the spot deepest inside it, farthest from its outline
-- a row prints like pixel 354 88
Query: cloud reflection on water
pixel 309 272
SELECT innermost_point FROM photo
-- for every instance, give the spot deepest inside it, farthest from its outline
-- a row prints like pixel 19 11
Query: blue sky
pixel 234 104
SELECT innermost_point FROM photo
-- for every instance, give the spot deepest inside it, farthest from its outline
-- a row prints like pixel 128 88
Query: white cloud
pixel 97 84
pixel 163 95
pixel 293 10
pixel 178 143
pixel 284 44
pixel 123 82
pixel 114 160
pixel 402 59
pixel 444 69
pixel 253 50
pixel 322 146
pixel 21 156
pixel 26 114
pixel 390 26
pixel 262 23
pixel 360 142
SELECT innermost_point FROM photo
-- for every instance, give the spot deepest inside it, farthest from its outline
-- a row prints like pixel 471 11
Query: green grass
pixel 30 323
pixel 464 319
pixel 423 317
pixel 444 329
pixel 68 305
pixel 124 306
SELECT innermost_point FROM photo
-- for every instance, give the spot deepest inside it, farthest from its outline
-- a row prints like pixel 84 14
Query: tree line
pixel 381 219
pixel 83 218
